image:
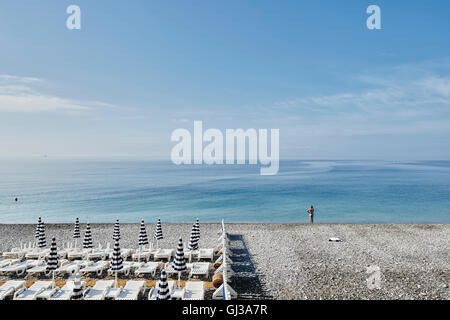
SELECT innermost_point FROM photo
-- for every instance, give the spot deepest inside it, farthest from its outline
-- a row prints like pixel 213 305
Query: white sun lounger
pixel 97 254
pixel 113 293
pixel 99 290
pixel 72 267
pixel 206 254
pixel 141 255
pixel 148 268
pixel 42 268
pixel 153 292
pixel 66 292
pixel 152 252
pixel 199 269
pixel 32 292
pixel 132 290
pixel 97 267
pixel 9 287
pixel 126 253
pixel 170 270
pixel 19 268
pixel 36 253
pixel 7 262
pixel 127 268
pixel 78 254
pixel 15 253
pixel 164 254
pixel 194 290
pixel 39 269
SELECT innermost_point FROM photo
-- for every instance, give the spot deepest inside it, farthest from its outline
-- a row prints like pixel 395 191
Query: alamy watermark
pixel 73 22
pixel 374 20
pixel 239 147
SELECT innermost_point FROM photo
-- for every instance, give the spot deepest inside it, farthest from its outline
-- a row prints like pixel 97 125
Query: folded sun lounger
pixel 9 287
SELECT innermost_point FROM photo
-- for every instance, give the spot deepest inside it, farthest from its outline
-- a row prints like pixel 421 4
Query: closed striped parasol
pixel 77 288
pixel 41 241
pixel 158 232
pixel 116 234
pixel 116 260
pixel 37 232
pixel 143 240
pixel 179 263
pixel 163 292
pixel 52 263
pixel 87 242
pixel 197 231
pixel 76 231
pixel 193 242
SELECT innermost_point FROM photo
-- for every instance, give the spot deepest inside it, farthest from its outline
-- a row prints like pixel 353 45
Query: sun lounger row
pixel 103 289
pixel 65 267
pixel 105 254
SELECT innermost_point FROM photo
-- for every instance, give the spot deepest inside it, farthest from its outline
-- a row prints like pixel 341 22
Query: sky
pixel 137 70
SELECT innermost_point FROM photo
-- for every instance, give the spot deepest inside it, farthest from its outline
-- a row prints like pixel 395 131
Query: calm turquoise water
pixel 341 191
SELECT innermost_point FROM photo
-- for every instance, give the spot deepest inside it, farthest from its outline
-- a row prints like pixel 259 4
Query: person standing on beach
pixel 311 214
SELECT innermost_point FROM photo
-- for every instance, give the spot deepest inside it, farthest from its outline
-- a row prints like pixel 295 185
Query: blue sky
pixel 137 70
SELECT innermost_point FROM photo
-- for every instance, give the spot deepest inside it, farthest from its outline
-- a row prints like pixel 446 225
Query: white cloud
pixel 407 99
pixel 17 79
pixel 439 85
pixel 21 94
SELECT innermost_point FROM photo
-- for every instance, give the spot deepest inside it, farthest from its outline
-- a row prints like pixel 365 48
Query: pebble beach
pixel 297 261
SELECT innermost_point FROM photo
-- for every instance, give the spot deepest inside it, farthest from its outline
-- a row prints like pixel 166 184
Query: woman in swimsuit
pixel 311 214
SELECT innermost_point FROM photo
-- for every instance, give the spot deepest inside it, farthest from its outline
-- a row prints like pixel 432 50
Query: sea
pixel 101 191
